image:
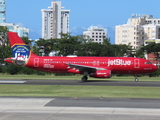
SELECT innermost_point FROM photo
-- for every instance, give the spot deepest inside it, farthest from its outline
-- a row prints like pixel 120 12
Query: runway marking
pixel 18 82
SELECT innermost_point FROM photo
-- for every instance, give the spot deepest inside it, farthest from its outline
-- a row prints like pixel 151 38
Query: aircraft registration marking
pixel 47 63
pixel 48 66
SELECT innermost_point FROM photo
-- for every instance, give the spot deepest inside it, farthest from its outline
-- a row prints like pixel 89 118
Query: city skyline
pixel 103 13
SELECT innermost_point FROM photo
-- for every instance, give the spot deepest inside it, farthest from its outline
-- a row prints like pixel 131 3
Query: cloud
pixel 77 30
pixel 20 24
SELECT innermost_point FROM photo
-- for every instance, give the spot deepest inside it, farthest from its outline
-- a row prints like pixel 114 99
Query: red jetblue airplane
pixel 98 67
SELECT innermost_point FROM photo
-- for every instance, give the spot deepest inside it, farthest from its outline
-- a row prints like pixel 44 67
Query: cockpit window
pixel 147 63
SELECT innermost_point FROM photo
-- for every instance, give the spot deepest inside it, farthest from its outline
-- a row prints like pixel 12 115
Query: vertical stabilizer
pixel 20 51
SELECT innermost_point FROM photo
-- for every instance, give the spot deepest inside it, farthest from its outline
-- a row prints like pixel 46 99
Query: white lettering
pixel 119 62
pixel 48 66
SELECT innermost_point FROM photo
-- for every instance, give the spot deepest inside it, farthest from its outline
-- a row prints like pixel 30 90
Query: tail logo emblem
pixel 21 53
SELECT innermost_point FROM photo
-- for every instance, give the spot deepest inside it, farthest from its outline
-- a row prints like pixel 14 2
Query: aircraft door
pixel 36 62
pixel 136 63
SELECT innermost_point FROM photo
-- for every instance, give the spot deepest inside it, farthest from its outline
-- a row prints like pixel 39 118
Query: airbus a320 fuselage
pixel 98 67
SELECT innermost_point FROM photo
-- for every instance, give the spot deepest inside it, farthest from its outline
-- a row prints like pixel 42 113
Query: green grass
pixel 79 91
pixel 76 77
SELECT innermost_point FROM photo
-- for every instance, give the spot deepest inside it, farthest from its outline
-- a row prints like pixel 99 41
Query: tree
pixel 140 53
pixel 67 44
pixel 106 41
pixel 119 50
pixel 3 35
pixel 153 48
pixel 27 41
pixel 5 50
pixel 46 46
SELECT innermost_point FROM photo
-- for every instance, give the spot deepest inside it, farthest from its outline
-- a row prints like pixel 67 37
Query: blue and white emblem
pixel 21 54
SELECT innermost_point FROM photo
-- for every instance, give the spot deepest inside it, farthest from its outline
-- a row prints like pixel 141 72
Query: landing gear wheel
pixel 136 79
pixel 84 78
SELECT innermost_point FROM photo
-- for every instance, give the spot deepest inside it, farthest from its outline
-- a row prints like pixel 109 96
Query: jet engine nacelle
pixel 101 74
pixel 75 71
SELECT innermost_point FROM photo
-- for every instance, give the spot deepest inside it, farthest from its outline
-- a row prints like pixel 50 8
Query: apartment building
pixel 95 34
pixel 55 20
pixel 2 11
pixel 137 30
pixel 21 31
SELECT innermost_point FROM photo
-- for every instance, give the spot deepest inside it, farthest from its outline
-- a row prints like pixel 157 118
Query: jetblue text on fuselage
pixel 119 62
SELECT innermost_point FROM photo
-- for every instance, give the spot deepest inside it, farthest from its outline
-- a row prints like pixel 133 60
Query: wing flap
pixel 85 67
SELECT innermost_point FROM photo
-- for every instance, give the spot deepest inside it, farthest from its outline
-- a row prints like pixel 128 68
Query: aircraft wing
pixel 85 67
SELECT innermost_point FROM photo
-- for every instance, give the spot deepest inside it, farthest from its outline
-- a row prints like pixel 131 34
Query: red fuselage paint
pixel 118 65
pixel 101 67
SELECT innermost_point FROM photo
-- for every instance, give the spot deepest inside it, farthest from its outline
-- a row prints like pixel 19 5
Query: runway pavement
pixel 77 82
pixel 78 109
pixel 25 108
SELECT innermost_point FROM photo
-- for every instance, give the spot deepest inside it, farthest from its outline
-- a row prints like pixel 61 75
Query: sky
pixel 83 13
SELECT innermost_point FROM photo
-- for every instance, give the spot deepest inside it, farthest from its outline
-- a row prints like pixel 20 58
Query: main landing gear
pixel 136 78
pixel 84 78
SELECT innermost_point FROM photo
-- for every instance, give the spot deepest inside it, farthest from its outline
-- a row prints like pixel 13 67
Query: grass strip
pixel 79 91
pixel 76 77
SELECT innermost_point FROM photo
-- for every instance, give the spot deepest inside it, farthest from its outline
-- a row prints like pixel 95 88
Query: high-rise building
pixel 21 31
pixel 137 30
pixel 55 20
pixel 2 11
pixel 95 34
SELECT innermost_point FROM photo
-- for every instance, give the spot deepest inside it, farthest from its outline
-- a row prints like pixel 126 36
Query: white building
pixel 21 31
pixel 137 30
pixel 95 34
pixel 55 20
pixel 2 11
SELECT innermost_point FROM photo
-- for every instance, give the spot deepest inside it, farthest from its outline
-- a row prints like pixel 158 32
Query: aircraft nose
pixel 155 68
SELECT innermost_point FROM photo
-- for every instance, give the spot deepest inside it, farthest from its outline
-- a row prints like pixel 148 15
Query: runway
pixel 77 82
pixel 77 109
pixel 38 108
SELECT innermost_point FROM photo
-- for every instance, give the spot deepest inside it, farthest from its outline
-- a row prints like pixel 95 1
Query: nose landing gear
pixel 136 78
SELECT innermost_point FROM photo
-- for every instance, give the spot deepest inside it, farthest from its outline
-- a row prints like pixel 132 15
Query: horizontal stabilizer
pixel 16 61
pixel 13 59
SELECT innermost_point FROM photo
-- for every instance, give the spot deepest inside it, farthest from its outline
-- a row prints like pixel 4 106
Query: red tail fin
pixel 15 39
pixel 20 51
pixel 19 48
